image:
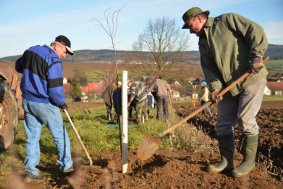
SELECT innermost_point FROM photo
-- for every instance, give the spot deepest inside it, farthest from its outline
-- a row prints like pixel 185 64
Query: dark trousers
pixel 109 111
pixel 162 107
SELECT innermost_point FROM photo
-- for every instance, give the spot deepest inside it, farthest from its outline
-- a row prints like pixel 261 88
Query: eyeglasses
pixel 63 47
pixel 64 54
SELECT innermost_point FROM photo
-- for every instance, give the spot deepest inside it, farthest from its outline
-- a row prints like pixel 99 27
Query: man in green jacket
pixel 229 46
pixel 107 96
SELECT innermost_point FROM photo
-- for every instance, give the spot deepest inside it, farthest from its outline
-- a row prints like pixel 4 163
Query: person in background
pixel 230 45
pixel 107 96
pixel 163 91
pixel 117 100
pixel 43 97
pixel 204 96
pixel 194 99
pixel 131 88
pixel 138 99
pixel 151 102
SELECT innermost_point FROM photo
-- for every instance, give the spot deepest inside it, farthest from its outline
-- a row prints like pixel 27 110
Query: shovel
pixel 149 145
pixel 78 136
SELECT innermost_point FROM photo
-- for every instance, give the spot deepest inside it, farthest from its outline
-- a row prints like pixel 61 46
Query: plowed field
pixel 181 168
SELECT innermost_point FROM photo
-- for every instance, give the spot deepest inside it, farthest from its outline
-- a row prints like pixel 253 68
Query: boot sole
pixel 237 175
pixel 212 170
pixel 215 170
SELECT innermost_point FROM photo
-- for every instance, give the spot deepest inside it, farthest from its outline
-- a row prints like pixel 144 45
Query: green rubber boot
pixel 248 163
pixel 226 148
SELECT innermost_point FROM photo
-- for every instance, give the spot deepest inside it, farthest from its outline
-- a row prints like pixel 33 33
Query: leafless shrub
pixel 269 166
pixel 192 139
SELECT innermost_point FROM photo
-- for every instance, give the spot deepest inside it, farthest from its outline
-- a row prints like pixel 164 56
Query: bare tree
pixel 160 46
pixel 110 25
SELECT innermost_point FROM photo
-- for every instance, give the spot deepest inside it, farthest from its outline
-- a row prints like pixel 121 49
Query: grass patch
pixel 97 137
pixel 273 98
pixel 95 75
pixel 275 64
pixel 93 130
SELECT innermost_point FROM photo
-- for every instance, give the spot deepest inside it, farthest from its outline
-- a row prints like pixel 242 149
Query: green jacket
pixel 107 95
pixel 226 46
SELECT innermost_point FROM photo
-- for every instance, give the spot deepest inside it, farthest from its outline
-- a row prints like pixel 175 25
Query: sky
pixel 37 22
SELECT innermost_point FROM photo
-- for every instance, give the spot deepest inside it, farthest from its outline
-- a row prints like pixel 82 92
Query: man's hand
pixel 215 97
pixel 256 64
pixel 64 106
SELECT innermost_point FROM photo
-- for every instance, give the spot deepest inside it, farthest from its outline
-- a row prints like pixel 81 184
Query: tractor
pixel 10 106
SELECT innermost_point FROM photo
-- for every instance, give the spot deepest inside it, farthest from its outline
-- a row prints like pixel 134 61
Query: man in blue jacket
pixel 43 96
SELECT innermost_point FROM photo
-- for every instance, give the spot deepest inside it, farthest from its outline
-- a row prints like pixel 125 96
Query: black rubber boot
pixel 248 163
pixel 226 148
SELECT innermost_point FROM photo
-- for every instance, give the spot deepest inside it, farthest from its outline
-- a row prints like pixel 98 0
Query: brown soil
pixel 181 168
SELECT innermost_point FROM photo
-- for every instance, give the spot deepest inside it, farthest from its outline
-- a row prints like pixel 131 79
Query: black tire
pixel 8 115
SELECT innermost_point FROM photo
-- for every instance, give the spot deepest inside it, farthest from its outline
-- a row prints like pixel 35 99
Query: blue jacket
pixel 42 79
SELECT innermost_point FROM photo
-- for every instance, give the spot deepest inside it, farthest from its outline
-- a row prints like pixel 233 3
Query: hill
pixel 107 55
pixel 104 55
pixel 274 51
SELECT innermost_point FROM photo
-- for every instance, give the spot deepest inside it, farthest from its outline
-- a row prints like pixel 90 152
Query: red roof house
pixel 94 87
pixel 275 87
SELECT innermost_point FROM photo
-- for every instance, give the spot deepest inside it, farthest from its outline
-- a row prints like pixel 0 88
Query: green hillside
pixel 274 51
pixel 275 64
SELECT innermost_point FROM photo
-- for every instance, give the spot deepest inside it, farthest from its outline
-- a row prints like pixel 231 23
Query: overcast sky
pixel 24 23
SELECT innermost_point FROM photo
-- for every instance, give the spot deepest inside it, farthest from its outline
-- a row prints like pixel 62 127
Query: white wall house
pixel 267 91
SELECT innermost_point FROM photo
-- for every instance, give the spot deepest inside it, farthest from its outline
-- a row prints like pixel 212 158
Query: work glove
pixel 256 64
pixel 215 97
pixel 64 106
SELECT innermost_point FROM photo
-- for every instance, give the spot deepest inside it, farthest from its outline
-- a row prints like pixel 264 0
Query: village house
pixel 175 89
pixel 267 91
pixel 276 88
pixel 94 87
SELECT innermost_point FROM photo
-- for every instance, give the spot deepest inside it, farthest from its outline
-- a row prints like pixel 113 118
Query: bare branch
pixel 110 26
pixel 163 41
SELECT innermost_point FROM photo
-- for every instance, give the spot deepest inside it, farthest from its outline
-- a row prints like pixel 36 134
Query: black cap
pixel 65 41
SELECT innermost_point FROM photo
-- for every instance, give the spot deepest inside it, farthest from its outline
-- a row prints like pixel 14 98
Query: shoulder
pixel 35 52
pixel 35 47
pixel 40 48
pixel 43 51
pixel 229 17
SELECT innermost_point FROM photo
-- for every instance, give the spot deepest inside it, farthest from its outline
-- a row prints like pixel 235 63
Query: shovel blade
pixel 148 146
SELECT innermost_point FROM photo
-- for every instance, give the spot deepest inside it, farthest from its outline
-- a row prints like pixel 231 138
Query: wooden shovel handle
pixel 221 93
pixel 78 136
pixel 234 83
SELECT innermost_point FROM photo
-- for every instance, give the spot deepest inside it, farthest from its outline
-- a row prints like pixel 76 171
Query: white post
pixel 125 122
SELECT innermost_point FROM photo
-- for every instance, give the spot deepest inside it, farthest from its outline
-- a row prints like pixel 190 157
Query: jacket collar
pixel 209 22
